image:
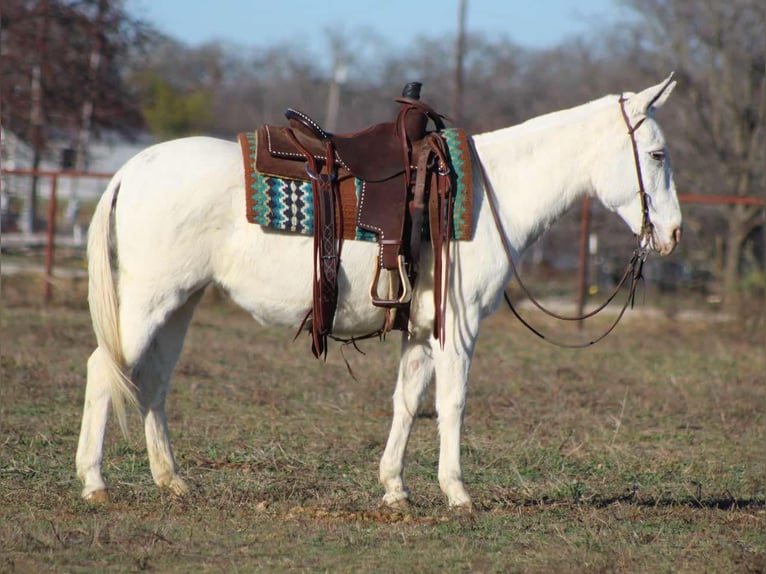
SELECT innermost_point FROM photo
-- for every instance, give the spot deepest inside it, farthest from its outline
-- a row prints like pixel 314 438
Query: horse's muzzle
pixel 666 248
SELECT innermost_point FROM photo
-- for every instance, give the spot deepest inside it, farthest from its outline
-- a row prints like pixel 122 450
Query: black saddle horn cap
pixel 412 90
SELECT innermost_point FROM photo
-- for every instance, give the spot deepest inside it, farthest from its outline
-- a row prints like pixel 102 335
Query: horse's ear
pixel 655 96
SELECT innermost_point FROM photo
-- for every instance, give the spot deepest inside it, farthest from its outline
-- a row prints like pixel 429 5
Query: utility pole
pixel 339 74
pixel 457 88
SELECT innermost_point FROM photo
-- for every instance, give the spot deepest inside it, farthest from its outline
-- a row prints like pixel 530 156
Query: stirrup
pixel 406 295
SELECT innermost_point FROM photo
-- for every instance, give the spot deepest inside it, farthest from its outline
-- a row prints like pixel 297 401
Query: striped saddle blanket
pixel 287 204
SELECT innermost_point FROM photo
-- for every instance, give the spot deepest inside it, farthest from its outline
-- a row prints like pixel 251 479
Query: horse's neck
pixel 539 168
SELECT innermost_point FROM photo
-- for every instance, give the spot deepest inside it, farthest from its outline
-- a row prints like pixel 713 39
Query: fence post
pixel 51 238
pixel 582 274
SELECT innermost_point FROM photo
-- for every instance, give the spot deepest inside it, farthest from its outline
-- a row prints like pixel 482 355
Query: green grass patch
pixel 643 454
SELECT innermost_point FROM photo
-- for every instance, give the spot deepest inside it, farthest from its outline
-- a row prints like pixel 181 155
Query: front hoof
pixel 458 498
pixel 397 500
pixel 402 504
pixel 97 497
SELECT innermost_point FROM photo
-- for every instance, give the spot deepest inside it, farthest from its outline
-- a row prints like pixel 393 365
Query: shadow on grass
pixel 711 503
pixel 728 503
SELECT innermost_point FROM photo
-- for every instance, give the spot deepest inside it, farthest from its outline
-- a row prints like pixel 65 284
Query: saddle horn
pixel 412 90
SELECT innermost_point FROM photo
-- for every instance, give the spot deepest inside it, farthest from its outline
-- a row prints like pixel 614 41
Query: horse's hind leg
pixel 415 372
pixel 90 447
pixel 154 351
pixel 152 377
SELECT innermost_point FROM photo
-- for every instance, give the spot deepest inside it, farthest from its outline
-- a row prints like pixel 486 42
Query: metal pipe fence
pixel 54 177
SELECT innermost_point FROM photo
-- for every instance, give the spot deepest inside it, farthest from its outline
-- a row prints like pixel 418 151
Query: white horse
pixel 172 222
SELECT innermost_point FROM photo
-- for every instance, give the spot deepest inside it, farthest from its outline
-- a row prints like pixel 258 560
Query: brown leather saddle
pixel 392 167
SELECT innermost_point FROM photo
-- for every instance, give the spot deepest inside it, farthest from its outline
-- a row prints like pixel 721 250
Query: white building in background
pixel 105 155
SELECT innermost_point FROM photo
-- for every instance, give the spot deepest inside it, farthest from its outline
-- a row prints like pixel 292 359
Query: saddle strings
pixel 327 249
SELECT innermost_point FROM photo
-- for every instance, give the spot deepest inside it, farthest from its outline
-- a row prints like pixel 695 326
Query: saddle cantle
pixel 372 184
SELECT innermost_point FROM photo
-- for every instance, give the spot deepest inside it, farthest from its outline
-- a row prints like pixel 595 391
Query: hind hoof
pixel 463 508
pixel 97 497
pixel 402 505
pixel 176 486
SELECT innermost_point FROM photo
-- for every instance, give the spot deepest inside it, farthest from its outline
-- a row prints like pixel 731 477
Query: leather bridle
pixel 647 228
pixel 633 270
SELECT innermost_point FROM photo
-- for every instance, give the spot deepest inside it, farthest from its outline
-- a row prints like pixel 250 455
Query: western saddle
pixel 395 168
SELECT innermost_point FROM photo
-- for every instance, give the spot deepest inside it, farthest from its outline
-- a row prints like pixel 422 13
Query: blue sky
pixel 534 23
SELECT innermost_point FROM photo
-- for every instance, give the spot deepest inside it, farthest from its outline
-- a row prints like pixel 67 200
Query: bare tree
pixel 48 81
pixel 59 37
pixel 717 50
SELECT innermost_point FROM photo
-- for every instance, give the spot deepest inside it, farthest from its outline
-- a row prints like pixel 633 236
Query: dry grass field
pixel 644 453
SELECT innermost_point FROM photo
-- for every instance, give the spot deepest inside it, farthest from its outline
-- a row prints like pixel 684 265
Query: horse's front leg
pixel 451 369
pixel 415 372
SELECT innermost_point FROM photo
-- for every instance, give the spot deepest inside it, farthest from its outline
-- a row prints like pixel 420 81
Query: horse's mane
pixel 557 119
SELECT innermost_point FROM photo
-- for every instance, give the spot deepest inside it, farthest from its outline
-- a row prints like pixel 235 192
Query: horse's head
pixel 643 162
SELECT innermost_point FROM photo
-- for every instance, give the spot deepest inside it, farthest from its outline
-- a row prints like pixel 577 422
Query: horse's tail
pixel 104 306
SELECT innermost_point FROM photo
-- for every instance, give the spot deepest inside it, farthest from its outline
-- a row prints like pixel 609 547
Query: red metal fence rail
pixel 582 279
pixel 52 206
pixel 584 229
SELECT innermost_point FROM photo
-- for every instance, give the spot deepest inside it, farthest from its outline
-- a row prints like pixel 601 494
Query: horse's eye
pixel 657 155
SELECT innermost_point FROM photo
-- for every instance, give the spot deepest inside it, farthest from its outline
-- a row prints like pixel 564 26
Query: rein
pixel 633 270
